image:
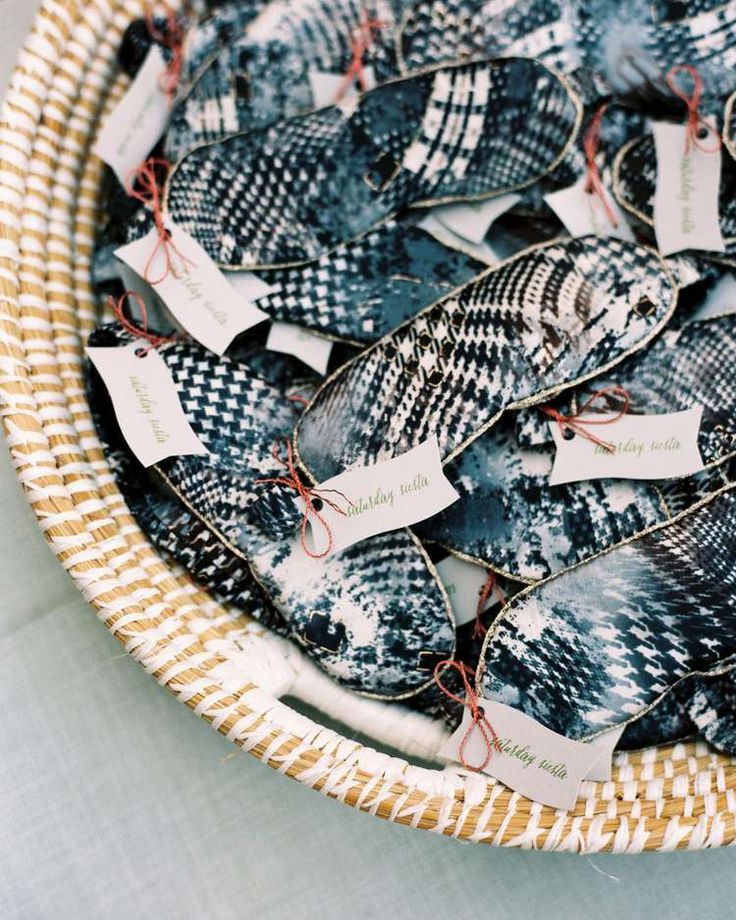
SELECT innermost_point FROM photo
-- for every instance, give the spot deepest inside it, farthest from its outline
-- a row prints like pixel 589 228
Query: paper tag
pixel 196 291
pixel 463 582
pixel 583 214
pixel 137 122
pixel 647 447
pixel 483 252
pixel 313 350
pixel 325 87
pixel 250 286
pixel 686 195
pixel 471 220
pixel 528 757
pixel 386 496
pixel 600 772
pixel 146 403
pixel 720 300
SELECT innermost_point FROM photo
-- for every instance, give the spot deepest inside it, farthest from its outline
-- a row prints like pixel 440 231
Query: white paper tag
pixel 464 582
pixel 471 220
pixel 313 350
pixel 137 122
pixel 196 291
pixel 483 252
pixel 583 214
pixel 327 86
pixel 647 447
pixel 250 286
pixel 146 403
pixel 527 757
pixel 600 772
pixel 386 496
pixel 686 195
pixel 720 300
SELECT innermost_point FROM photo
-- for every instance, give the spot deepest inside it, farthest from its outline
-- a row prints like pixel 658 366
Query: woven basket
pixel 224 666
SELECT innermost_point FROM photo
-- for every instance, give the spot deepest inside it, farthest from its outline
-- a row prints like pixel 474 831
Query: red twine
pixel 298 399
pixel 593 182
pixel 491 583
pixel 307 495
pixel 363 38
pixel 172 38
pixel 140 332
pixel 148 193
pixel 571 423
pixel 479 720
pixel 695 123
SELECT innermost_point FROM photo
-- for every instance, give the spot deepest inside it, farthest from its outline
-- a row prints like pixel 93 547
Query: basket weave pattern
pixel 225 667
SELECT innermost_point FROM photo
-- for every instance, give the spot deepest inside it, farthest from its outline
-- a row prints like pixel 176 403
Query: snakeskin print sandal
pixel 280 195
pixel 602 643
pixel 375 617
pixel 540 322
pixel 509 516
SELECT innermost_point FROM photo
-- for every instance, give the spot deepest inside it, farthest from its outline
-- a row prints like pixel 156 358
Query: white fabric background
pixel 116 802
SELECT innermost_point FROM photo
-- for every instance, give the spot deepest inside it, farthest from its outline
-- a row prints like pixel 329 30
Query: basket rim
pixel 677 796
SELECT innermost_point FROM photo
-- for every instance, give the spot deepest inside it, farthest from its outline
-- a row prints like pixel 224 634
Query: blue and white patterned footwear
pixel 597 645
pixel 375 616
pixel 538 323
pixel 293 192
pixel 264 73
pixel 510 517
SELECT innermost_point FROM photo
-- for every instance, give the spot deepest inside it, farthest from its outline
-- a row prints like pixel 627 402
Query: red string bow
pixel 697 128
pixel 143 185
pixel 479 720
pixel 363 38
pixel 574 424
pixel 491 583
pixel 139 331
pixel 292 481
pixel 593 182
pixel 172 38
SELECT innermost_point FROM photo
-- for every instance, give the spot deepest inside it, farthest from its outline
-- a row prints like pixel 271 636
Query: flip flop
pixel 597 645
pixel 278 196
pixel 510 517
pixel 266 73
pixel 374 616
pixel 540 322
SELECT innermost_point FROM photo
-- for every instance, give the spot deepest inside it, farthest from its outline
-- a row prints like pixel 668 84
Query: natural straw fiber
pixel 213 658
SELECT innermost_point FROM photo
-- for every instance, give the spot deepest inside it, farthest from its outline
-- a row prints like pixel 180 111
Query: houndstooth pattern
pixel 596 645
pixel 543 319
pixel 367 615
pixel 508 514
pixel 263 74
pixel 278 196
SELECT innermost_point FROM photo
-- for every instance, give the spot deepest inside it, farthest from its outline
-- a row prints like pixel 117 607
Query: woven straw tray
pixel 214 659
